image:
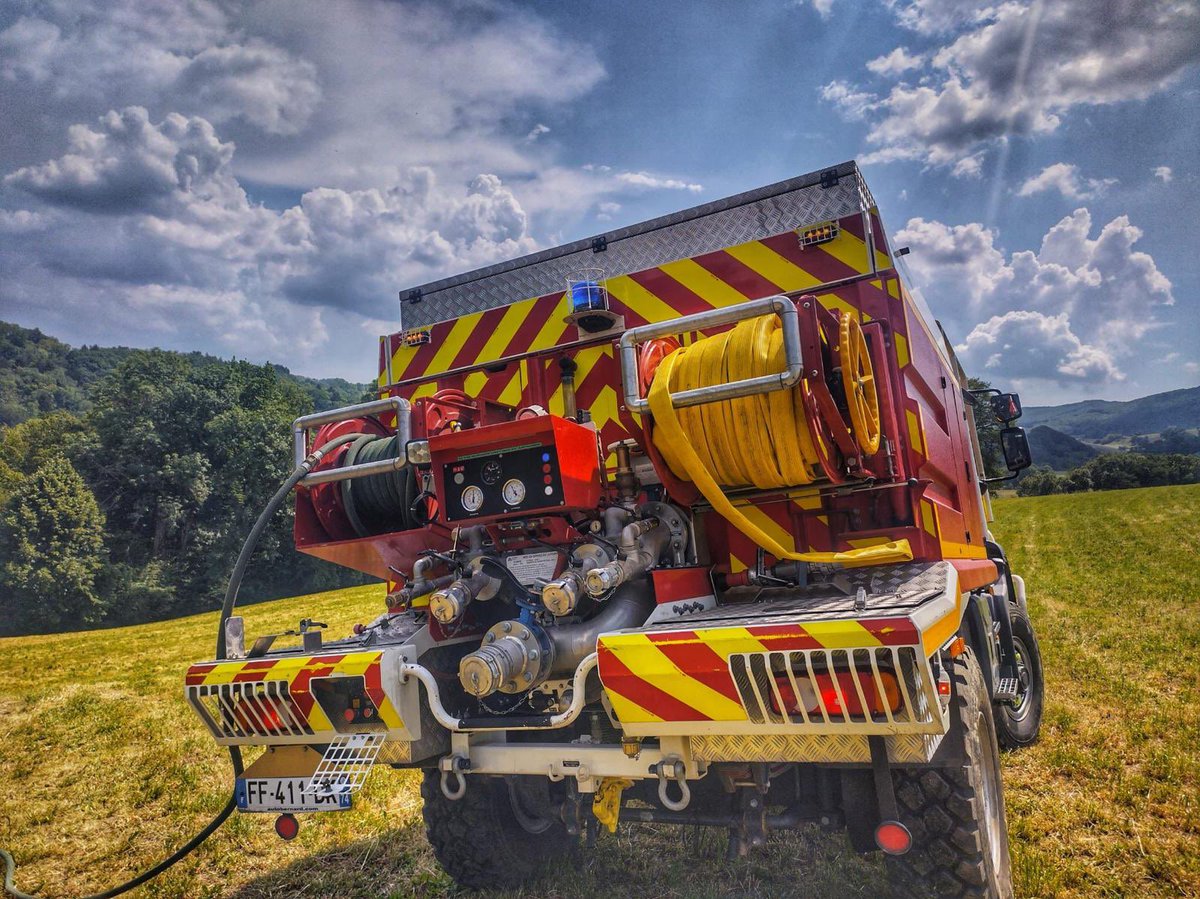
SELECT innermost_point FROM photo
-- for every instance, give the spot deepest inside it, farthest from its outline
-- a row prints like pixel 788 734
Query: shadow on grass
pixel 643 860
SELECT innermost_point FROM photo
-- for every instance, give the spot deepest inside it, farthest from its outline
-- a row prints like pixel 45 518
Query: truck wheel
pixel 956 814
pixel 498 834
pixel 1018 722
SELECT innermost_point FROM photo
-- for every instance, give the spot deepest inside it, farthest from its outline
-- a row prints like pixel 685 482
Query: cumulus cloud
pixel 896 62
pixel 1089 298
pixel 1015 68
pixel 537 131
pixel 147 221
pixel 658 182
pixel 1064 177
pixel 853 103
pixel 1163 173
pixel 1029 344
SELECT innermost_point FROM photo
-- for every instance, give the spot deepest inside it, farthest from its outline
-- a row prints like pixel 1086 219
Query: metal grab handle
pixel 397 404
pixel 789 321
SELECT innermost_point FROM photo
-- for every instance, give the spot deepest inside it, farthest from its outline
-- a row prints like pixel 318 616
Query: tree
pixel 988 430
pixel 51 552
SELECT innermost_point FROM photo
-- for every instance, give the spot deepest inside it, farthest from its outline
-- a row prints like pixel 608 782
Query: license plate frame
pixel 276 795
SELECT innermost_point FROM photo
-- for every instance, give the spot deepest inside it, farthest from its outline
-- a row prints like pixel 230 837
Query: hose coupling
pixel 560 597
pixel 514 658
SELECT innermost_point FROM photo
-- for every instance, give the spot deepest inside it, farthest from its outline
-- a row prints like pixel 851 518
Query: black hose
pixel 235 754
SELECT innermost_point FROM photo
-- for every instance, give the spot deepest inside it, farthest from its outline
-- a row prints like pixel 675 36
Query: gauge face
pixel 491 472
pixel 472 498
pixel 513 492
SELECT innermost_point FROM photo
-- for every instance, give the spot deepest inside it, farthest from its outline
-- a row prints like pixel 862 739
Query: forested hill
pixel 1096 419
pixel 39 374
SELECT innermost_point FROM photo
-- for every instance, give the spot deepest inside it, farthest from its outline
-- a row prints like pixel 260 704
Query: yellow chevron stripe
pixel 645 659
pixel 638 299
pixel 846 634
pixel 703 283
pixel 505 330
pixel 627 710
pixel 554 325
pixel 772 266
pixel 452 344
pixel 511 394
pixel 914 431
pixel 725 641
pixel 847 249
pixel 768 524
pixel 902 357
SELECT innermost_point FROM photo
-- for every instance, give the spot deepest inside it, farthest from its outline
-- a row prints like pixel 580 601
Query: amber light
pixel 827 691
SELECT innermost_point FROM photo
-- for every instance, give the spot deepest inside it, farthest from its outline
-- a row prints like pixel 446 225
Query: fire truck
pixel 686 523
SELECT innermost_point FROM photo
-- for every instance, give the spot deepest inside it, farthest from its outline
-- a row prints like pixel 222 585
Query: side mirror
pixel 1015 444
pixel 1006 407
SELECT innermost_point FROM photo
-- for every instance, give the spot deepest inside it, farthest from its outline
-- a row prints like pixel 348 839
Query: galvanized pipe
pixel 397 404
pixel 789 321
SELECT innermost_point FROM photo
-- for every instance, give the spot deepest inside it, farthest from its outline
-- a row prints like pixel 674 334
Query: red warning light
pixel 287 826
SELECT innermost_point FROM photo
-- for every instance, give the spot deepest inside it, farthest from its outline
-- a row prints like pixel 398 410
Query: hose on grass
pixel 235 754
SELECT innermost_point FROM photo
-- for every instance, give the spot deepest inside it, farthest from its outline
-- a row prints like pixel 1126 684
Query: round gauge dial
pixel 472 498
pixel 491 472
pixel 513 492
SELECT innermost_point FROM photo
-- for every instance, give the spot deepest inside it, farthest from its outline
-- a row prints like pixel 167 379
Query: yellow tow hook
pixel 606 803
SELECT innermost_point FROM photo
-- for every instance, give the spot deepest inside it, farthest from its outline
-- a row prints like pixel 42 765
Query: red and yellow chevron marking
pixel 747 271
pixel 298 672
pixel 684 675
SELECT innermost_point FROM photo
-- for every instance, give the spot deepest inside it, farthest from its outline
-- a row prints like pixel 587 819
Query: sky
pixel 260 179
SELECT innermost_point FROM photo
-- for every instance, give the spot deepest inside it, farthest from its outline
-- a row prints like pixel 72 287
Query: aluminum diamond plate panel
pixel 754 215
pixel 902 748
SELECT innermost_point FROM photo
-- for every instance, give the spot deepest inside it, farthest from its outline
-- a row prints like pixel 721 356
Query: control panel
pixel 511 480
pixel 538 464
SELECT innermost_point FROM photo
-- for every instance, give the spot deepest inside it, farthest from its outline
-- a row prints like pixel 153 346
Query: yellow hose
pixel 763 441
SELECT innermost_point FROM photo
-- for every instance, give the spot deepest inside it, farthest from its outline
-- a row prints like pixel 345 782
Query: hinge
pixel 599 244
pixel 829 178
pixel 413 296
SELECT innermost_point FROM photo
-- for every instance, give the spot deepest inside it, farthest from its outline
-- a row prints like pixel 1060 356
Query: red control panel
pixel 533 465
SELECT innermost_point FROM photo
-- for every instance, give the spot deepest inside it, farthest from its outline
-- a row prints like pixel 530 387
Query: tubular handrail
pixel 452 723
pixel 397 404
pixel 789 321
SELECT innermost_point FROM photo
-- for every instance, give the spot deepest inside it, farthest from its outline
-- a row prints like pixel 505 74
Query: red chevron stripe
pixel 780 637
pixel 698 661
pixel 670 291
pixel 615 674
pixel 479 335
pixel 737 275
pixel 813 260
pixel 542 309
pixel 892 631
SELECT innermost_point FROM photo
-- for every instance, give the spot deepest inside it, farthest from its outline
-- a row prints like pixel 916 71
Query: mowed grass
pixel 104 769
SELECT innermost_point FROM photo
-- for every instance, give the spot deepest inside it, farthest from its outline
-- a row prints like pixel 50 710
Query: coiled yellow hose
pixel 764 441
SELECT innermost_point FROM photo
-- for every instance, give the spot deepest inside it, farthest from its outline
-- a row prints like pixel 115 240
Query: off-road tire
pixel 956 813
pixel 1018 726
pixel 479 840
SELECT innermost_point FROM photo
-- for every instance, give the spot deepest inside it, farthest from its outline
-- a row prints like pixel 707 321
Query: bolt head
pixel 506 627
pixel 490 638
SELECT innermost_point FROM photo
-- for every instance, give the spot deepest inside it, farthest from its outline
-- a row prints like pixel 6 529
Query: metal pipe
pixel 398 404
pixel 789 321
pixel 448 721
pixel 630 607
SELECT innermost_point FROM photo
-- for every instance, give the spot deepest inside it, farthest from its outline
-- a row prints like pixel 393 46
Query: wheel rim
pixel 1020 707
pixel 530 822
pixel 992 803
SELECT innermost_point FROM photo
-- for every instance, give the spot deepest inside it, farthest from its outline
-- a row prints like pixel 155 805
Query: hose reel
pixel 752 407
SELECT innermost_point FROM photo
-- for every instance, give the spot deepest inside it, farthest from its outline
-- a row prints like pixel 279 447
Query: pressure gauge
pixel 472 498
pixel 513 492
pixel 491 472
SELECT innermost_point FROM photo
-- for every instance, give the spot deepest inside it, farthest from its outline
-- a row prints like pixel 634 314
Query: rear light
pixel 828 690
pixel 893 838
pixel 287 827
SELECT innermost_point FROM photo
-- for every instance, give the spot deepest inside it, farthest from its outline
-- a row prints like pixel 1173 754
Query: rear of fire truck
pixel 686 523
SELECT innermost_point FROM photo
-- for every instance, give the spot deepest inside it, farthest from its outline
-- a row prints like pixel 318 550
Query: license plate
pixel 284 794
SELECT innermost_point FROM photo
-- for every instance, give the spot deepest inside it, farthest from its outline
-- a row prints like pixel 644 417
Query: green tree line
pixel 1113 471
pixel 135 509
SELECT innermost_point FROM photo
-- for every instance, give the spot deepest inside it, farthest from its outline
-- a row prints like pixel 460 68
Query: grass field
pixel 104 769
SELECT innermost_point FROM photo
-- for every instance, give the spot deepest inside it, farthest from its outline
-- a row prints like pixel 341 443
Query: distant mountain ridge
pixel 1096 419
pixel 40 374
pixel 1060 451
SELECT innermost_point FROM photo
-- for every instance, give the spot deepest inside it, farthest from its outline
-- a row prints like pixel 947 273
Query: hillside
pixel 40 374
pixel 1096 419
pixel 1060 451
pixel 104 769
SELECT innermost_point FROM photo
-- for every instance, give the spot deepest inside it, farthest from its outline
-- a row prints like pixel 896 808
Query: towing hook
pixel 668 770
pixel 454 770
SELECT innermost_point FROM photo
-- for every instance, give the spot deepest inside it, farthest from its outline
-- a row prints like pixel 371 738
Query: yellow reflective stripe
pixel 452 344
pixel 902 356
pixel 627 710
pixel 635 297
pixel 703 283
pixel 725 641
pixel 772 266
pixel 505 331
pixel 645 658
pixel 840 634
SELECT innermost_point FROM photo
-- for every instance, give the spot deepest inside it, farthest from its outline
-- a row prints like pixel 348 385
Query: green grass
pixel 104 769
